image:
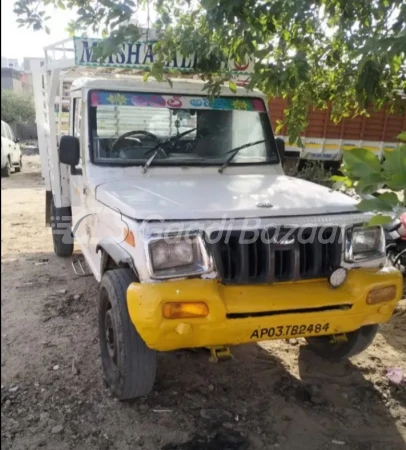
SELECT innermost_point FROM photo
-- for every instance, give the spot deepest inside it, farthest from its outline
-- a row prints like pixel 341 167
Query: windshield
pixel 127 128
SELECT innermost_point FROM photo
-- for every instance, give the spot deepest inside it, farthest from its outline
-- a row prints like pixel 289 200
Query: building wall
pixel 11 83
pixel 6 82
pixel 11 79
pixel 10 63
pixel 26 83
pixel 17 85
pixel 27 63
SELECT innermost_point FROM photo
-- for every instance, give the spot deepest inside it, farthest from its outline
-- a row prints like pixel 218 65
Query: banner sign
pixel 140 55
pixel 103 98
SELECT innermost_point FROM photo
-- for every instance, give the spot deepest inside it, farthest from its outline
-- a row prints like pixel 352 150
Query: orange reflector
pixel 185 310
pixel 129 237
pixel 381 295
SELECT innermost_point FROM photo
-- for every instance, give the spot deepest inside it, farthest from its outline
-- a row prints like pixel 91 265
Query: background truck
pixel 326 141
pixel 181 210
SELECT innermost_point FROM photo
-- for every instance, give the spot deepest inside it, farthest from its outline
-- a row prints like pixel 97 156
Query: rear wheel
pixel 61 224
pixel 6 170
pixel 351 344
pixel 19 168
pixel 129 365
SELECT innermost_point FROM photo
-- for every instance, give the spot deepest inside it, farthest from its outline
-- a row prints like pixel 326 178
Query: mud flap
pixel 48 199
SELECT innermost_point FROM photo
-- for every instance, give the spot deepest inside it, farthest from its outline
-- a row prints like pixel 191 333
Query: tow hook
pixel 338 338
pixel 220 353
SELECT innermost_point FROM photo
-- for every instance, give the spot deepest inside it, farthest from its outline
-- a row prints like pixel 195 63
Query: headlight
pixel 177 256
pixel 365 244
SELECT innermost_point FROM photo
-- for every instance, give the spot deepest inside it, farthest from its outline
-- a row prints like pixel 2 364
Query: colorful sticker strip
pixel 99 98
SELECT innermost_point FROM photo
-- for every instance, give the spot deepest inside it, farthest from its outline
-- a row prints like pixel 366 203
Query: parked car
pixel 10 151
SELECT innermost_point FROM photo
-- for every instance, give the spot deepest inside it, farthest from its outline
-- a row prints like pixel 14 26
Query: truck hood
pixel 214 196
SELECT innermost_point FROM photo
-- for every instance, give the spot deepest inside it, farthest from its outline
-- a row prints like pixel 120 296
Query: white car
pixel 10 151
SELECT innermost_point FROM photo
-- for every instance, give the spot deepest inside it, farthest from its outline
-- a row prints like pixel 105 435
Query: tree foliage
pixel 17 107
pixel 313 52
pixel 364 172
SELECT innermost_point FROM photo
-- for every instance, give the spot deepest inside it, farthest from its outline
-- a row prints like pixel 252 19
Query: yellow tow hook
pixel 220 353
pixel 338 338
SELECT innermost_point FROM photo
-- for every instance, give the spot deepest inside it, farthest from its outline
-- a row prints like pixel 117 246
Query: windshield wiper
pixel 149 161
pixel 159 148
pixel 234 151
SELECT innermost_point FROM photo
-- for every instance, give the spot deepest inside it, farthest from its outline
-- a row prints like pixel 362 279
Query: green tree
pixel 313 52
pixel 381 185
pixel 17 107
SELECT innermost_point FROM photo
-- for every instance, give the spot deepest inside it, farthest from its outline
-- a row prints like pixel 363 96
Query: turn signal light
pixel 385 294
pixel 129 237
pixel 184 310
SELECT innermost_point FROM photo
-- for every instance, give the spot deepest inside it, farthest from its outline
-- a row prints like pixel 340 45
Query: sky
pixel 19 42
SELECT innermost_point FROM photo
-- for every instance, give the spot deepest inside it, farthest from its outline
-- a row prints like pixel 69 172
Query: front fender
pixel 116 252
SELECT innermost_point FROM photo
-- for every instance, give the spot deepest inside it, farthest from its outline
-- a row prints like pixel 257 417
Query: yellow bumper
pixel 249 313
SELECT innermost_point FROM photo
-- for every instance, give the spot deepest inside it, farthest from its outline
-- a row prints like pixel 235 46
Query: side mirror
pixel 280 144
pixel 16 140
pixel 69 150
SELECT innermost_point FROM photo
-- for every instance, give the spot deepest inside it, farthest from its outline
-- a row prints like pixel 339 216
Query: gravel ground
pixel 274 395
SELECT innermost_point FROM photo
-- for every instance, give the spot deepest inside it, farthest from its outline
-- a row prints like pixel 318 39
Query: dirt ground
pixel 277 395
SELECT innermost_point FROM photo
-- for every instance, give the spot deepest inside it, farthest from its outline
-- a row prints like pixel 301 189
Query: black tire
pixel 61 224
pixel 357 341
pixel 129 365
pixel 19 168
pixel 6 170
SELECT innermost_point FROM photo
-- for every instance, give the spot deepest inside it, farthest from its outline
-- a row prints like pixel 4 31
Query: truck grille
pixel 279 255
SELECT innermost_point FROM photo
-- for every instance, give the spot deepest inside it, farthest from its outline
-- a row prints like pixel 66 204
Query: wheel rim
pixel 110 335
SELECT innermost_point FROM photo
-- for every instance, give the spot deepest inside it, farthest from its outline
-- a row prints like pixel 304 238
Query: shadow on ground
pixel 270 408
pixel 253 401
pixel 394 331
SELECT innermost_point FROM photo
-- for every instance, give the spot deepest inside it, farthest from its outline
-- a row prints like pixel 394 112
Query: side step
pixel 80 266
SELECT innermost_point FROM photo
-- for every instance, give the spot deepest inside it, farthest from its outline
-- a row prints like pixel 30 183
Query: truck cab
pixel 183 214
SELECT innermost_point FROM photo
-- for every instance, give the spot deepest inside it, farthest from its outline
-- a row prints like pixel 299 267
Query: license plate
pixel 290 330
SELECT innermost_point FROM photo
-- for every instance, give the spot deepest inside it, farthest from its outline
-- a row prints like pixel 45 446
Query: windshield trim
pixel 176 163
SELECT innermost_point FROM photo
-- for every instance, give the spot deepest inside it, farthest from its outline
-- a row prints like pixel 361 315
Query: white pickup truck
pixel 180 207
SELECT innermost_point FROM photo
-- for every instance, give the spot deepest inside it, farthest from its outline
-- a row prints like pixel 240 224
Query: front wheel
pixel 350 344
pixel 129 365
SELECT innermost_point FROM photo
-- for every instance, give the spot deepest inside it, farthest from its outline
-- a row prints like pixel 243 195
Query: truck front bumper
pixel 247 313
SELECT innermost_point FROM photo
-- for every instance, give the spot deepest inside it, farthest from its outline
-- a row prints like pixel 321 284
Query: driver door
pixel 77 190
